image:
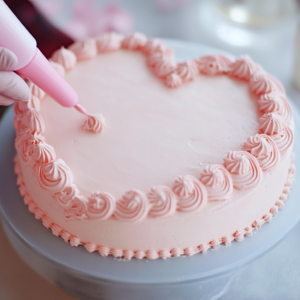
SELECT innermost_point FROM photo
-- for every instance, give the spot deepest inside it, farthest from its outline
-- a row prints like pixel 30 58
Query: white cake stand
pixel 90 276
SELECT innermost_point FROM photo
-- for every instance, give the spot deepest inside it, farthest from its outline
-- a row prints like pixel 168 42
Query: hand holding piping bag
pixel 12 86
pixel 22 56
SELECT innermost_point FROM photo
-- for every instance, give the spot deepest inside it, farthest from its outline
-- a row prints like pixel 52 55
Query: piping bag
pixel 32 64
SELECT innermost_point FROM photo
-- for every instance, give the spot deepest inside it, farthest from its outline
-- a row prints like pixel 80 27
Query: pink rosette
pixel 163 201
pixel 25 143
pixel 285 139
pixel 276 102
pixel 218 182
pixel 187 70
pixel 35 90
pixel 165 67
pixel 191 192
pixel 55 176
pixel 244 169
pixel 42 153
pixel 64 57
pixel 262 83
pixel 173 81
pixel 135 41
pixel 58 67
pixel 161 54
pixel 65 197
pixel 271 123
pixel 109 42
pixel 33 121
pixel 244 68
pixel 134 206
pixel 94 123
pixel 152 46
pixel 264 149
pixel 85 49
pixel 77 210
pixel 213 64
pixel 100 206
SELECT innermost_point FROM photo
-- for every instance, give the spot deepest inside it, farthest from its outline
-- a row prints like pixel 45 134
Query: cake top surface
pixel 171 136
pixel 153 133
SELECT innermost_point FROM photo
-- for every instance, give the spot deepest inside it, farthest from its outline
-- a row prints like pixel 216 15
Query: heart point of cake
pixel 194 154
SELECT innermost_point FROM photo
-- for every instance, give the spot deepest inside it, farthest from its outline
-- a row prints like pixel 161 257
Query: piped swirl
pixel 244 168
pixel 218 182
pixel 264 149
pixel 94 123
pixel 100 206
pixel 85 49
pixel 213 64
pixel 191 192
pixel 187 70
pixel 134 206
pixel 109 42
pixel 163 201
pixel 55 176
pixel 64 57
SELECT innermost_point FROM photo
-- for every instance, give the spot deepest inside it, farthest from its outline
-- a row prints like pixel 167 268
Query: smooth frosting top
pixel 153 133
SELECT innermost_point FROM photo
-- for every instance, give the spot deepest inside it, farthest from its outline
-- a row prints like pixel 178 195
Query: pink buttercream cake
pixel 175 159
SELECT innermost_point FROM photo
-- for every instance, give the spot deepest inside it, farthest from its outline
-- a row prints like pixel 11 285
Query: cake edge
pixel 150 254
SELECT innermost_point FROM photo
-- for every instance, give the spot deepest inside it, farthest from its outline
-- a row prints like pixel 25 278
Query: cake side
pixel 222 198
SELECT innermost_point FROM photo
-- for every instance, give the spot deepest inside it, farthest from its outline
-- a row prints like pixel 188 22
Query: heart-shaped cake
pixel 175 158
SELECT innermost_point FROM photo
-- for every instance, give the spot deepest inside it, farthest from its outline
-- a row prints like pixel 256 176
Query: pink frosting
pixel 135 41
pixel 42 153
pixel 243 68
pixel 64 57
pixel 55 176
pixel 85 49
pixel 264 149
pixel 214 64
pixel 173 81
pixel 66 196
pixel 25 143
pixel 20 108
pixel 134 206
pixel 163 201
pixel 152 46
pixel 244 168
pixel 58 67
pixel 285 139
pixel 276 102
pixel 94 123
pixel 35 90
pixel 218 182
pixel 33 121
pixel 165 67
pixel 271 123
pixel 109 42
pixel 261 83
pixel 187 70
pixel 191 192
pixel 159 55
pixel 34 103
pixel 101 206
pixel 77 210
